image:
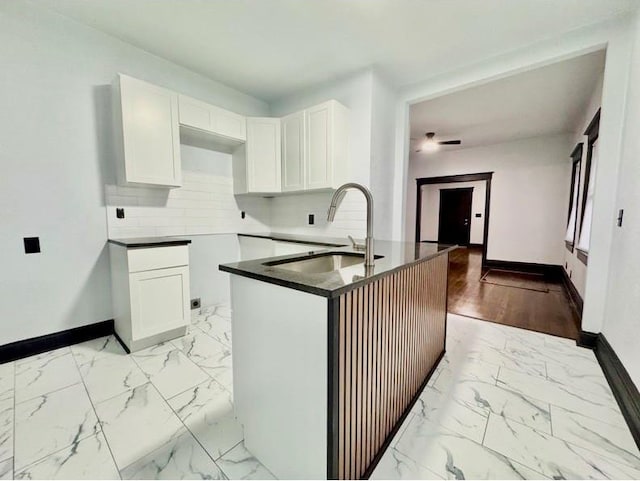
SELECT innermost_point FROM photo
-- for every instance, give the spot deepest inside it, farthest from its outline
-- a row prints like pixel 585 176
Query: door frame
pixel 450 179
pixel 466 189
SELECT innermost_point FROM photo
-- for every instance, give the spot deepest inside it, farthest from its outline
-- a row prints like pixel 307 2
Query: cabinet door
pixel 229 124
pixel 263 155
pixel 293 152
pixel 150 130
pixel 159 301
pixel 318 140
pixel 194 113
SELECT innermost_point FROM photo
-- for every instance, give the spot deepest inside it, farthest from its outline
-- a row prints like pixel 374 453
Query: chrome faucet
pixel 335 202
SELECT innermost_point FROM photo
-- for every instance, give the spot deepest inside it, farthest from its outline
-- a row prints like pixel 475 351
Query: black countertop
pixel 395 256
pixel 141 242
pixel 301 238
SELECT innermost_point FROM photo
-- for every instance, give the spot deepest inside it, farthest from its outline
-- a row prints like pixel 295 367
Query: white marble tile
pixel 6 428
pixel 503 358
pixel 211 355
pixel 109 376
pixel 89 458
pixel 43 355
pixel 6 469
pixel 222 310
pixel 452 456
pixel 591 380
pixel 207 410
pixel 395 465
pixel 446 411
pixel 181 458
pixel 45 374
pixel 551 456
pixel 572 398
pixel 7 376
pixel 48 423
pixel 484 398
pixel 240 464
pixel 217 327
pixel 137 422
pixel 88 351
pixel 171 372
pixel 466 369
pixel 610 440
pixel 153 351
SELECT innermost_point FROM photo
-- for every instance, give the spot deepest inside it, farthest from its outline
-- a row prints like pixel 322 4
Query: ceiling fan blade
pixel 450 142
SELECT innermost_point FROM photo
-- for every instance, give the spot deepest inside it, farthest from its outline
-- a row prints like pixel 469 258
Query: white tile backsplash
pixel 205 204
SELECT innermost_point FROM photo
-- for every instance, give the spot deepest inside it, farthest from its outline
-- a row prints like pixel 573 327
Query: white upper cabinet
pixel 262 157
pixel 315 146
pixel 211 119
pixel 293 156
pixel 147 131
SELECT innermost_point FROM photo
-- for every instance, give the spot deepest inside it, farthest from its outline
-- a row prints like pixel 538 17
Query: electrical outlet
pixel 312 219
pixel 195 303
pixel 243 214
pixel 620 215
pixel 120 213
pixel 31 245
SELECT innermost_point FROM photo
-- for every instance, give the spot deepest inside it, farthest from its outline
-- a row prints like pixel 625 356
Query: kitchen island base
pixel 321 384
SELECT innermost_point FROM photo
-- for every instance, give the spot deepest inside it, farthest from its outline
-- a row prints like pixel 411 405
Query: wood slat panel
pixel 391 334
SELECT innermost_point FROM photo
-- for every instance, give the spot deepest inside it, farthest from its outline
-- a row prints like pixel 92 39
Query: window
pixel 589 189
pixel 572 220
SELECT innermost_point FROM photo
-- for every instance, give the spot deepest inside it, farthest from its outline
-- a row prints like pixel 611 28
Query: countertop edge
pixel 292 239
pixel 150 244
pixel 330 294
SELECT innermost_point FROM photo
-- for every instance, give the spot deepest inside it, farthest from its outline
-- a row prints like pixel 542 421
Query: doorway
pixel 468 235
pixel 454 225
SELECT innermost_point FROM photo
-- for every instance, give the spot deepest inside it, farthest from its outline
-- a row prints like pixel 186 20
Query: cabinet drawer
pixel 157 258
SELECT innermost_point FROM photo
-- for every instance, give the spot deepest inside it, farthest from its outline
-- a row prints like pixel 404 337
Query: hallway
pixel 547 312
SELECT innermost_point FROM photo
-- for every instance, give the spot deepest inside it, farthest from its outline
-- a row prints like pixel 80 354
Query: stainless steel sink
pixel 318 264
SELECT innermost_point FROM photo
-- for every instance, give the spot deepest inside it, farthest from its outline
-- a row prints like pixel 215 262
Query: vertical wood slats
pixel 391 333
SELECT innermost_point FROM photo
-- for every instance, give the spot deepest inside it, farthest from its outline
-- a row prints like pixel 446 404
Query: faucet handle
pixel 355 245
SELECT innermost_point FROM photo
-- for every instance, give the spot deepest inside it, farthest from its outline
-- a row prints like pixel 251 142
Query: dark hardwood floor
pixel 548 312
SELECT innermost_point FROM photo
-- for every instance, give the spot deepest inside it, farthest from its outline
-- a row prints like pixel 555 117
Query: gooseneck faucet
pixel 335 202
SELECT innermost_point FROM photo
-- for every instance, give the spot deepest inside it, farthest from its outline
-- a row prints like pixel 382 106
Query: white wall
pixel 621 326
pixel 430 209
pixel 575 268
pixel 56 158
pixel 382 149
pixel 529 195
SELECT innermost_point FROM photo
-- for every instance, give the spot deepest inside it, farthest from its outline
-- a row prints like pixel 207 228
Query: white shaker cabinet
pixel 315 146
pixel 293 152
pixel 150 293
pixel 211 119
pixel 257 164
pixel 147 133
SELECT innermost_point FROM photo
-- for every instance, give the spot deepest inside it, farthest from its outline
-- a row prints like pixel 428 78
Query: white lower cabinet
pixel 150 293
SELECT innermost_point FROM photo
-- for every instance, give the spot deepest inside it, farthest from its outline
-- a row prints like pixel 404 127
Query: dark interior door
pixel 454 226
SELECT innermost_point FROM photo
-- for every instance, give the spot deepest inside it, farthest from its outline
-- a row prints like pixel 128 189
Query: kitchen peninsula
pixel 329 355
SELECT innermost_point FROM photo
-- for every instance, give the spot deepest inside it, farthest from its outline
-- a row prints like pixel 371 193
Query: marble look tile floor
pixel 503 403
pixel 91 411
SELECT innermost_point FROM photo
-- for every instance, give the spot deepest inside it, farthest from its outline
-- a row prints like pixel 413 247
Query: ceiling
pixel 544 101
pixel 272 48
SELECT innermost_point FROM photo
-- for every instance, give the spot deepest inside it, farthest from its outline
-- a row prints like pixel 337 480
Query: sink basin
pixel 318 264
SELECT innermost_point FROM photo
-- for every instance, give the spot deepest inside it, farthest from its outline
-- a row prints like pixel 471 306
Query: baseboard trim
pixel 37 345
pixel 552 271
pixel 475 245
pixel 573 293
pixel 587 339
pixel 624 390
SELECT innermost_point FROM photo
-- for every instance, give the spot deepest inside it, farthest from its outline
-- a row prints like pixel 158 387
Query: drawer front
pixel 157 258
